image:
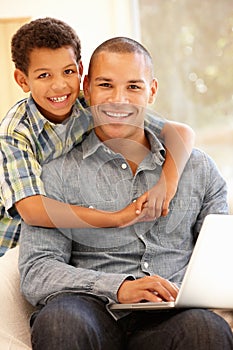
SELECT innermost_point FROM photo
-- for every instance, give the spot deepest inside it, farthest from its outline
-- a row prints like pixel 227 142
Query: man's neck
pixel 133 151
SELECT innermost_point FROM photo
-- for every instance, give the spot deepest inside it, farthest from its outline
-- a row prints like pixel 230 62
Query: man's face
pixel 54 81
pixel 119 89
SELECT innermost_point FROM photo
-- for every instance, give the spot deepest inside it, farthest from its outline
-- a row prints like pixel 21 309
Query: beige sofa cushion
pixel 15 311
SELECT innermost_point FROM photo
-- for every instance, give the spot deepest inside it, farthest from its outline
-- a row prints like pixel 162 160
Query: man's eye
pixel 134 87
pixel 105 85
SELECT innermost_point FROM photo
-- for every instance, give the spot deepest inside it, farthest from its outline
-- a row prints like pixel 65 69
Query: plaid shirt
pixel 27 140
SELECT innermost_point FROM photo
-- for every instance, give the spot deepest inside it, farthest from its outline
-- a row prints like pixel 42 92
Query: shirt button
pixel 107 150
pixel 146 265
pixel 124 166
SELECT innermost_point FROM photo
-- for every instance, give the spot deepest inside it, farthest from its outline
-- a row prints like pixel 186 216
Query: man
pixel 47 57
pixel 74 276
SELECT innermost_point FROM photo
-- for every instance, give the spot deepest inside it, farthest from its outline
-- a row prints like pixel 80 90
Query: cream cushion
pixel 15 311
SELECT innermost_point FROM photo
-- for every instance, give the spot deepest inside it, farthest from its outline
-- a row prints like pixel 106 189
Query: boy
pixel 47 57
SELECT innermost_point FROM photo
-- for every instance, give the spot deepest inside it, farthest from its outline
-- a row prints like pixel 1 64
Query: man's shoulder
pixel 199 154
pixel 202 160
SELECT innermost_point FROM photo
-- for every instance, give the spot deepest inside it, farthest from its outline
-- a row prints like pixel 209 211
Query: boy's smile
pixel 54 81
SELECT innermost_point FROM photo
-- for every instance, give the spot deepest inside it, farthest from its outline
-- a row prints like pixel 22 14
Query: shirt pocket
pixel 175 231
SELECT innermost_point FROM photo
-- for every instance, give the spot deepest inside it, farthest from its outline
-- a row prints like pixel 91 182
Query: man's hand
pixel 149 288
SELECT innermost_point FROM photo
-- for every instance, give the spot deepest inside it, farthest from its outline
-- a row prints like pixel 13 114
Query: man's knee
pixel 75 321
pixel 57 317
pixel 207 329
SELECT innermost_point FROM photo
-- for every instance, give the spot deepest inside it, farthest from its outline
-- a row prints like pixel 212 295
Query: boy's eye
pixel 69 71
pixel 43 75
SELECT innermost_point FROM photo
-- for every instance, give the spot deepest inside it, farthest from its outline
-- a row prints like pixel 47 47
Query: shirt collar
pixel 92 143
pixel 38 119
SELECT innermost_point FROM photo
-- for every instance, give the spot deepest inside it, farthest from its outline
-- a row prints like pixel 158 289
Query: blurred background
pixel 191 42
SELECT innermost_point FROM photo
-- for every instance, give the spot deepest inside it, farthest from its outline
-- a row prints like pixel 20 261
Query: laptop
pixel 208 280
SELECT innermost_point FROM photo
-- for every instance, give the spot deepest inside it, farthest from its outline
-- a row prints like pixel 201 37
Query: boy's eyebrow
pixel 47 68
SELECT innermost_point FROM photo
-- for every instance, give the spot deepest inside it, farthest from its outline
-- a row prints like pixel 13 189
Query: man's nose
pixel 118 95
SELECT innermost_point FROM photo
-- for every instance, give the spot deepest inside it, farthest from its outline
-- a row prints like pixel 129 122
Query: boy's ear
pixel 153 90
pixel 80 69
pixel 86 88
pixel 21 80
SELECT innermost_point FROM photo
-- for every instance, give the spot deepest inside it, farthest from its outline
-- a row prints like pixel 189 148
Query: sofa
pixel 15 311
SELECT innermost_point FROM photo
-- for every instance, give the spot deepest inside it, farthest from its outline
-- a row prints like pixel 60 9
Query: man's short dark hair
pixel 122 45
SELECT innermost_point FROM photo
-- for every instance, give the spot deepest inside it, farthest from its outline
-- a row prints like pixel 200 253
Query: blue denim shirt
pixel 97 261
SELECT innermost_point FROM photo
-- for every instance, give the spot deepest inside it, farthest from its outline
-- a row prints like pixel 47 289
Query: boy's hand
pixel 129 215
pixel 149 288
pixel 156 200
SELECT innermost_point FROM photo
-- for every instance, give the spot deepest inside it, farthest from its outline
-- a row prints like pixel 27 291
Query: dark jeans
pixel 78 322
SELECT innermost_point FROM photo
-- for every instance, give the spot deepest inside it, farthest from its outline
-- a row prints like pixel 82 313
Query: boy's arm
pixel 179 141
pixel 39 210
pixel 43 211
pixel 22 188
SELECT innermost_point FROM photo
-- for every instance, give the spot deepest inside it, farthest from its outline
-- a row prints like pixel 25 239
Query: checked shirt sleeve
pixel 20 171
pixel 154 122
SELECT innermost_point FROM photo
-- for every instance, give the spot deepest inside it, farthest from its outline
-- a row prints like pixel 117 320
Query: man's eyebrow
pixel 133 81
pixel 102 78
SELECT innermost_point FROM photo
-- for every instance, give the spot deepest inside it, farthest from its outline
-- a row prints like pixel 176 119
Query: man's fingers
pixel 149 288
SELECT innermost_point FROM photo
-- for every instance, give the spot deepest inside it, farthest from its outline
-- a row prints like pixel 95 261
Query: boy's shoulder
pixel 14 117
pixel 22 119
pixel 82 100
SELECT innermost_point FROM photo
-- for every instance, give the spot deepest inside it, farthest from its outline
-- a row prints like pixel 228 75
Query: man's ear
pixel 21 80
pixel 153 90
pixel 86 88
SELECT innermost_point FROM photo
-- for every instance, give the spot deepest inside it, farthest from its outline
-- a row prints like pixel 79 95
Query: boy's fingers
pixel 141 203
pixel 165 212
pixel 165 209
pixel 155 208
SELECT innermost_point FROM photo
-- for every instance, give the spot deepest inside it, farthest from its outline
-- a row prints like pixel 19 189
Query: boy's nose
pixel 59 83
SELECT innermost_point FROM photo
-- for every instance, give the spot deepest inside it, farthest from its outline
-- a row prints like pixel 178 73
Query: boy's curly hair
pixel 42 33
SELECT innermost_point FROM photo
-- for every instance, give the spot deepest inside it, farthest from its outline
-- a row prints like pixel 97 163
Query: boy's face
pixel 120 87
pixel 54 81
